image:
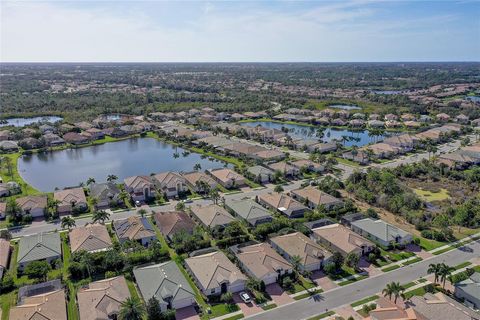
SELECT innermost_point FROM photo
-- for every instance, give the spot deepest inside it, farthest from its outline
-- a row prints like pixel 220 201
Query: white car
pixel 245 297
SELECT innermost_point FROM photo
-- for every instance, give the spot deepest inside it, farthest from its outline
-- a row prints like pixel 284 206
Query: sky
pixel 239 31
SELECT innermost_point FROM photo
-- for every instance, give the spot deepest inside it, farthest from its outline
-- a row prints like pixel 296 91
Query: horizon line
pixel 232 62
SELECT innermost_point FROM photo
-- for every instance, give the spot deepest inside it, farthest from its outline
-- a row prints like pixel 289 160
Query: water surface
pixel 344 107
pixel 22 122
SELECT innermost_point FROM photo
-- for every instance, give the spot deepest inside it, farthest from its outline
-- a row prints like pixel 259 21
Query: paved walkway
pixel 187 313
pixel 279 296
pixel 323 281
pixel 247 309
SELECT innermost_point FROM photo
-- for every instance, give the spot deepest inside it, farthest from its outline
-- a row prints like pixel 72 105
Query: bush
pixel 287 284
pixel 226 297
pixel 110 274
pixel 330 268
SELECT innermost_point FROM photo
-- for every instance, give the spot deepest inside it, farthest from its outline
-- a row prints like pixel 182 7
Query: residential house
pixel 456 160
pixel 268 155
pixel 211 216
pixel 5 251
pixel 43 306
pixel 75 138
pixel 376 124
pixel 91 238
pixel 8 189
pixel 440 307
pixel 260 174
pixel 406 142
pixel 249 211
pixel 196 179
pixel 282 203
pixel 443 117
pixel 172 222
pixel 140 188
pixel 71 200
pixel 227 177
pixel 171 184
pixel 383 150
pixel 360 156
pixel 94 134
pixel 309 165
pixel 215 274
pixel 312 255
pixel 262 262
pixel 3 210
pixel 391 117
pixel 9 146
pixel 39 247
pixel 106 195
pixel 338 238
pixel 52 140
pixel 33 205
pixel 469 291
pixel 166 283
pixel 102 300
pixel 285 168
pixel 136 229
pixel 313 197
pixel 325 147
pixel 381 232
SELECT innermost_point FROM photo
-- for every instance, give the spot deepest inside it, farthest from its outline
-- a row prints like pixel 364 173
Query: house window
pixel 212 291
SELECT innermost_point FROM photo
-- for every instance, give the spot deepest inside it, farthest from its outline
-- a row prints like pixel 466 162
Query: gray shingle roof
pixel 163 281
pixel 471 286
pixel 380 229
pixel 248 209
pixel 38 247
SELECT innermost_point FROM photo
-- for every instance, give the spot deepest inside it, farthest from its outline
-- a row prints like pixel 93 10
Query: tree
pixel 100 216
pixel 296 262
pixel 13 210
pixel 215 195
pixel 393 289
pixel 142 212
pixel 125 196
pixel 337 259
pixel 445 272
pixel 435 269
pixel 68 222
pixel 180 206
pixel 197 167
pixel 112 178
pixel 38 270
pixel 352 260
pixel 227 297
pixel 132 309
pixel 278 188
pixel 253 284
pixel 90 181
pixel 153 309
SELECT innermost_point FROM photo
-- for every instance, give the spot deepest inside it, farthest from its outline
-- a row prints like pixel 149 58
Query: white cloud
pixel 347 31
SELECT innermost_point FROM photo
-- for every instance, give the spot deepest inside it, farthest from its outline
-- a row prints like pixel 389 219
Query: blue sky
pixel 197 31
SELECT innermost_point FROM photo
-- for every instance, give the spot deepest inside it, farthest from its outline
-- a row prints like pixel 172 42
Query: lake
pixel 22 122
pixel 344 107
pixel 387 92
pixel 136 156
pixel 359 138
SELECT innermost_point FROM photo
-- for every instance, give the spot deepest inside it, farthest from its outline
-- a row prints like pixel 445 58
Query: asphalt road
pixel 306 308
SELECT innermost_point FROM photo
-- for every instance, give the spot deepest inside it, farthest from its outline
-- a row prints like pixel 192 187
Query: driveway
pixel 279 296
pixel 247 309
pixel 187 313
pixel 323 281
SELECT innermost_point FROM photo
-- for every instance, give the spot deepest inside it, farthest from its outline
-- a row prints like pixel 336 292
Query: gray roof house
pixel 260 174
pixel 212 215
pixel 165 282
pixel 469 291
pixel 106 194
pixel 42 246
pixel 381 232
pixel 249 210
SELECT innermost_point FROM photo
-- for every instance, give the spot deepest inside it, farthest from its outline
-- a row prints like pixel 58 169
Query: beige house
pixel 262 262
pixel 312 255
pixel 313 197
pixel 5 251
pixel 102 300
pixel 91 238
pixel 135 228
pixel 46 306
pixel 215 274
pixel 140 188
pixel 285 168
pixel 338 238
pixel 33 205
pixel 195 179
pixel 282 203
pixel 227 177
pixel 309 165
pixel 212 216
pixel 70 199
pixel 171 184
pixel 171 222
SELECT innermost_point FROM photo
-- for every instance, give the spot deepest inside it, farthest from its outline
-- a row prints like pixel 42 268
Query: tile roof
pixel 68 195
pixel 247 209
pixel 91 238
pixel 380 229
pixel 261 259
pixel 316 196
pixel 297 244
pixel 342 237
pixel 133 228
pixel 32 202
pixel 138 182
pixel 282 202
pixel 171 222
pixel 38 247
pixel 212 215
pixel 4 253
pixel 47 306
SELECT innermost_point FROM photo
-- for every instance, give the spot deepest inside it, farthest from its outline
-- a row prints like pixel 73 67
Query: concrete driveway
pixel 278 295
pixel 323 280
pixel 247 309
pixel 187 313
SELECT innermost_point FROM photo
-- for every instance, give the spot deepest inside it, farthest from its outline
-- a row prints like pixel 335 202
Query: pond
pixel 344 107
pixel 473 98
pixel 22 122
pixel 136 156
pixel 387 92
pixel 355 137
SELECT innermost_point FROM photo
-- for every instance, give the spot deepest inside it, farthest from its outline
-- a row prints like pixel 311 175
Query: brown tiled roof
pixel 4 253
pixel 171 222
pixel 297 244
pixel 100 299
pixel 134 228
pixel 91 237
pixel 342 237
pixel 225 175
pixel 316 196
pixel 68 195
pixel 279 200
pixel 212 215
pixel 138 182
pixel 261 259
pixel 32 202
pixel 193 177
pixel 47 306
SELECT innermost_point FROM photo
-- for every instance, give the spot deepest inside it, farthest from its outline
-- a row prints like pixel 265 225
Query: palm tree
pixel 142 212
pixel 296 262
pixel 132 309
pixel 253 284
pixel 68 222
pixel 100 216
pixel 197 167
pixel 278 188
pixel 393 289
pixel 435 269
pixel 445 272
pixel 214 195
pixel 125 196
pixel 90 181
pixel 111 178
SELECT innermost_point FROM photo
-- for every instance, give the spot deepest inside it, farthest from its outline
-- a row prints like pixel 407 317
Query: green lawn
pixel 462 265
pixel 302 284
pixel 416 292
pixel 323 315
pixel 307 294
pixel 235 317
pixel 363 301
pixel 15 176
pixel 387 269
pixel 429 196
pixel 429 245
pixel 396 255
pixel 408 285
pixel 347 282
pixel 415 260
pixel 221 309
pixel 7 300
pixel 269 306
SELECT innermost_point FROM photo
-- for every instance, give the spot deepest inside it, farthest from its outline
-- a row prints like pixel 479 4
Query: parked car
pixel 245 297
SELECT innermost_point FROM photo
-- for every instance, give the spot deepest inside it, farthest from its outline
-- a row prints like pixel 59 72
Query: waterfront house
pixel 33 205
pixel 166 283
pixel 91 238
pixel 211 216
pixel 262 262
pixel 102 299
pixel 381 232
pixel 172 222
pixel 52 140
pixel 324 147
pixel 249 211
pixel 140 188
pixel 71 200
pixel 285 168
pixel 75 138
pixel 136 229
pixel 338 238
pixel 312 255
pixel 282 203
pixel 215 274
pixel 9 146
pixel 260 174
pixel 268 155
pixel 196 179
pixel 313 197
pixel 39 247
pixel 171 184
pixel 227 177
